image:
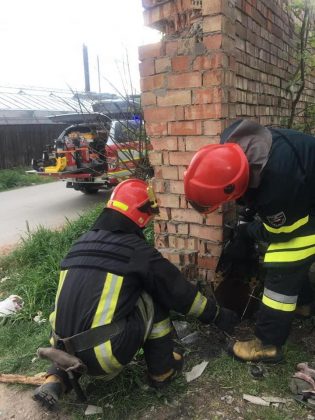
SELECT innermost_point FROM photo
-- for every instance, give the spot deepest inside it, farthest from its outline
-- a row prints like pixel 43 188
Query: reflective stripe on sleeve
pixel 287 229
pixel 295 250
pixel 160 329
pixel 104 315
pixel 198 305
pixel 278 301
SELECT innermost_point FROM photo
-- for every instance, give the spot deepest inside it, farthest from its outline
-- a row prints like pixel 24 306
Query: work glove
pixel 226 320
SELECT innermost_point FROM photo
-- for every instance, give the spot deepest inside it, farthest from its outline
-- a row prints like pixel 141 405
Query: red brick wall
pixel 265 43
pixel 218 60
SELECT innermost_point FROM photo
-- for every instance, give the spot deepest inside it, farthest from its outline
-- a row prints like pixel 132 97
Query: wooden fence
pixel 20 143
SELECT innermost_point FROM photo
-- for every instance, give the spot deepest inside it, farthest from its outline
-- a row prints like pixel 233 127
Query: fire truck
pixel 96 151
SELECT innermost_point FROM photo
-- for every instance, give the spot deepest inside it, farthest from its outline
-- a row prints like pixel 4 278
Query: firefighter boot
pixel 254 351
pixel 49 392
pixel 160 381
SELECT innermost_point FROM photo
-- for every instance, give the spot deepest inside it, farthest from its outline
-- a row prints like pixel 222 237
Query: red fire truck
pixel 96 152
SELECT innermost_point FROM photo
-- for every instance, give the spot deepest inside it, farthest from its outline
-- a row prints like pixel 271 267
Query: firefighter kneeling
pixel 114 296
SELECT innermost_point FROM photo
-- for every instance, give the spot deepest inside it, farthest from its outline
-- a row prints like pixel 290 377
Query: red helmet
pixel 216 174
pixel 134 199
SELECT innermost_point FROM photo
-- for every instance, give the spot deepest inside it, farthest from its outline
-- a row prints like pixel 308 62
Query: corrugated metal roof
pixel 22 105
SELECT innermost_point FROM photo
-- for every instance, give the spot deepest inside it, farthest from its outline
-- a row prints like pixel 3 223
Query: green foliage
pixel 17 177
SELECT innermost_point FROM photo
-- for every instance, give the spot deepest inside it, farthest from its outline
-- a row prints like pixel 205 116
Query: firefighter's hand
pixel 226 320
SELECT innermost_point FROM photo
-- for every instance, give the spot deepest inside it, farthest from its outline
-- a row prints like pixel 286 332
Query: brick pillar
pixel 188 95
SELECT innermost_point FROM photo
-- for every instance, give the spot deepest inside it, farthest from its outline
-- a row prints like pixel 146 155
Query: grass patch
pixel 17 177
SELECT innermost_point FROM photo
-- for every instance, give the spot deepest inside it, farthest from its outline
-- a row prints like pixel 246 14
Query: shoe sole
pixel 45 399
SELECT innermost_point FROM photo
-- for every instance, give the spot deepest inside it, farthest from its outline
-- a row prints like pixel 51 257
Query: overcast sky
pixel 41 41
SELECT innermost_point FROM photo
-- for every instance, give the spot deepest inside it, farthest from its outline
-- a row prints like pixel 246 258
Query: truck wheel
pixel 89 190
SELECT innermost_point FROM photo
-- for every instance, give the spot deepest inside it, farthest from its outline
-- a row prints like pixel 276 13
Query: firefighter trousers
pixel 285 288
pixel 155 336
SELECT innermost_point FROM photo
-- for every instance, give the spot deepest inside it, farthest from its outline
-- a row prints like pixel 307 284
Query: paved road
pixel 47 205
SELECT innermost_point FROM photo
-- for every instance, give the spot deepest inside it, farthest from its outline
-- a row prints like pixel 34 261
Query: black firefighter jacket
pixel 285 200
pixel 103 276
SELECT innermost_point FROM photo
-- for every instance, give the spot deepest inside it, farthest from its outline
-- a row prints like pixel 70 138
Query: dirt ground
pixel 17 404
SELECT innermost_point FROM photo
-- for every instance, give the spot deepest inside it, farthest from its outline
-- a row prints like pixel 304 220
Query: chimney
pixel 86 68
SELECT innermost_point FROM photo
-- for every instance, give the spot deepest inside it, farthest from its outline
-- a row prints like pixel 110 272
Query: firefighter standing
pixel 273 172
pixel 112 277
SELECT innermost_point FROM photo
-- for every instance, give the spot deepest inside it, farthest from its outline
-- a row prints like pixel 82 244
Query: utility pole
pixel 86 69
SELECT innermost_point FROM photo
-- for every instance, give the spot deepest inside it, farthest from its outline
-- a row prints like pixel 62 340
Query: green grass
pixel 17 177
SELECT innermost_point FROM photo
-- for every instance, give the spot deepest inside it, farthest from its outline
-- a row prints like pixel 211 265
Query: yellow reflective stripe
pixel 52 316
pixel 288 229
pixel 198 305
pixel 108 301
pixel 104 315
pixel 119 205
pixel 106 359
pixel 299 242
pixel 280 306
pixel 288 255
pixel 160 329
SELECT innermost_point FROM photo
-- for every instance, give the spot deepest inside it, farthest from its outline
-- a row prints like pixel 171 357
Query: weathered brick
pixel 191 216
pixel 214 219
pixel 214 60
pixel 172 227
pixel 148 98
pixel 181 63
pixel 166 158
pixel 162 65
pixel 213 78
pixel 176 187
pixel 212 127
pixel 161 241
pixel 213 42
pixel 155 158
pixel 166 143
pixel 159 114
pixel 183 229
pixel 171 254
pixel 179 113
pixel 207 261
pixel 160 185
pixel 150 51
pixel 203 111
pixel 168 200
pixel 211 7
pixel 184 80
pixel 175 97
pixel 206 232
pixel 181 158
pixel 194 143
pixel 207 95
pixel 171 48
pixel 156 129
pixel 212 23
pixel 153 82
pixel 183 128
pixel 163 214
pixel 166 172
pixel 146 68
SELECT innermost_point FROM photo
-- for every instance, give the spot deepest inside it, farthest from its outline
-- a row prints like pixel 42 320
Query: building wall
pixel 218 60
pixel 22 142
